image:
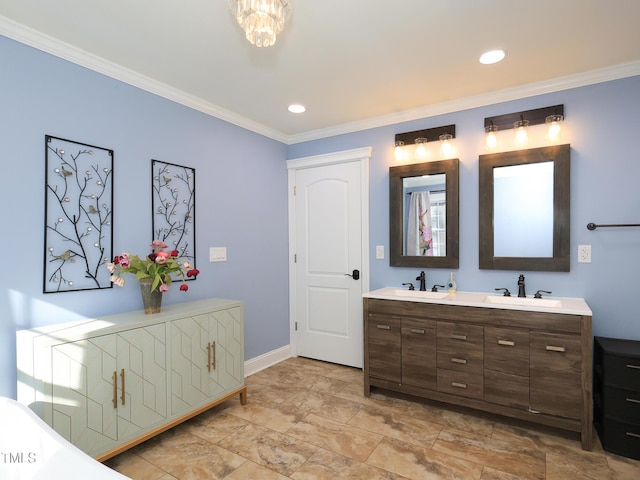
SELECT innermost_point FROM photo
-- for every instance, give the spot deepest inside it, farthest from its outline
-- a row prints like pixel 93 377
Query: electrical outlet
pixel 584 253
pixel 379 252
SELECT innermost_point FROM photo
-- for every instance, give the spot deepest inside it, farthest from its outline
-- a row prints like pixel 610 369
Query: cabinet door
pixel 384 348
pixel 142 379
pixel 419 353
pixel 207 357
pixel 555 374
pixel 84 392
pixel 506 366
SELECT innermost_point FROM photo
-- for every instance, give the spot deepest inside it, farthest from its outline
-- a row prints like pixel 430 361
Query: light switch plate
pixel 379 252
pixel 217 254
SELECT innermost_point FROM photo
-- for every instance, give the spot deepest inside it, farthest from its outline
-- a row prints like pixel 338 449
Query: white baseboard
pixel 266 360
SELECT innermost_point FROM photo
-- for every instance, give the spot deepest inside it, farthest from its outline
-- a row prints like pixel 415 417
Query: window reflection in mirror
pixel 423 214
pixel 425 220
pixel 523 210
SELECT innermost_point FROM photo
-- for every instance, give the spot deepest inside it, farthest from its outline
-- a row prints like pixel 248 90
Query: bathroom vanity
pixel 525 358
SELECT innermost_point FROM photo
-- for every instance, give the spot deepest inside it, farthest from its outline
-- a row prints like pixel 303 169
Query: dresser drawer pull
pixel 551 348
pixel 461 361
pixel 384 327
pixel 632 400
pixel 459 337
pixel 417 330
pixel 637 367
pixel 634 435
pixel 507 343
pixel 458 385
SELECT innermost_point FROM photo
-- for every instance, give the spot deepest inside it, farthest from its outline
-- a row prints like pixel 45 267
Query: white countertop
pixel 563 305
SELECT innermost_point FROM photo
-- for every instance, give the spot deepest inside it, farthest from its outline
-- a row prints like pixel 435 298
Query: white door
pixel 329 247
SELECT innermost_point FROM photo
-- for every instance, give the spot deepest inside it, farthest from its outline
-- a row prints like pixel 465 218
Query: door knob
pixel 355 274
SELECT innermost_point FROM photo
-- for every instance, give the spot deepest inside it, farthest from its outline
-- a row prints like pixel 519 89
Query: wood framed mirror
pixel 524 209
pixel 424 214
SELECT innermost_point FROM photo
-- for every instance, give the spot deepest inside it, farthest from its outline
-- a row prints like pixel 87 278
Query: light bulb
pixel 446 148
pixel 398 152
pixel 491 139
pixel 522 137
pixel 553 123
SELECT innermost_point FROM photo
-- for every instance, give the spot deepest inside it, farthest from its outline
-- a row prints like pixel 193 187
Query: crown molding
pixel 45 43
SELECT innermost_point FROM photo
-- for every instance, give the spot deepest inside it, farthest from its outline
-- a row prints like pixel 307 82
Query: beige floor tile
pixel 276 416
pixel 135 467
pixel 489 473
pixel 188 457
pixel 419 463
pixel 399 426
pixel 326 405
pixel 520 458
pixel 252 471
pixel 450 416
pixel 326 465
pixel 623 468
pixel 274 450
pixel 340 438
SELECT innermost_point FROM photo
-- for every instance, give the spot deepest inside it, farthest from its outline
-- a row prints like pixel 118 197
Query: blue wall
pixel 241 188
pixel 242 198
pixel 601 126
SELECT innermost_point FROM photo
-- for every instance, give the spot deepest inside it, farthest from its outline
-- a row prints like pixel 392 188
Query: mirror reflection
pixel 425 215
pixel 524 209
pixel 423 201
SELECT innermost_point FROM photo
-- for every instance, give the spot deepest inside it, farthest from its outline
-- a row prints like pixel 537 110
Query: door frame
pixel 359 155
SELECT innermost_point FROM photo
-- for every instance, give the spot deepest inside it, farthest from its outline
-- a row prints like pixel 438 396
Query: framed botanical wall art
pixel 174 207
pixel 78 215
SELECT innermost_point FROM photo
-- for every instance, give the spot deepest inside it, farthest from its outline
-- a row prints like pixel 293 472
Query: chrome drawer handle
pixel 637 367
pixel 459 360
pixel 507 343
pixel 551 348
pixel 417 330
pixel 384 327
pixel 632 400
pixel 459 337
pixel 458 385
pixel 635 435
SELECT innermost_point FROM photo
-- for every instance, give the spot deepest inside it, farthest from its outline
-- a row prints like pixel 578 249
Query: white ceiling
pixel 354 63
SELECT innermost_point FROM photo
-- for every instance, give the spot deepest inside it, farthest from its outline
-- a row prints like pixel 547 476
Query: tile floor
pixel 309 420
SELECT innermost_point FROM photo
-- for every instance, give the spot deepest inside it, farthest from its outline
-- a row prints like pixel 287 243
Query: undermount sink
pixel 419 294
pixel 523 301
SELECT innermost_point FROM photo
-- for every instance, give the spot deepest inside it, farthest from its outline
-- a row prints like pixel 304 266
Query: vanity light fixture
pixel 398 152
pixel 491 137
pixel 520 121
pixel 421 148
pixel 419 138
pixel 554 127
pixel 446 148
pixel 521 138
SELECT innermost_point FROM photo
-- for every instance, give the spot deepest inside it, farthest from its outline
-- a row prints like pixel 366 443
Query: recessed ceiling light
pixel 296 108
pixel 493 56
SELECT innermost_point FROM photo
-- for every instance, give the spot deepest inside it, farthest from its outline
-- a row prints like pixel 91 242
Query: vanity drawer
pixel 506 350
pixel 460 347
pixel 460 383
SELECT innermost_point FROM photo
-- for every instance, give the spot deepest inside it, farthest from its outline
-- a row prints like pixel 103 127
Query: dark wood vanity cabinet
pixel 528 365
pixel 616 395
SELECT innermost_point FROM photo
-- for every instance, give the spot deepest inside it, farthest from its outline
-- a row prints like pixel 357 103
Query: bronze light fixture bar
pixel 534 117
pixel 431 134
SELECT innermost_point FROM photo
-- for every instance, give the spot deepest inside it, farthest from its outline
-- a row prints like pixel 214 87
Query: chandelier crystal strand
pixel 262 20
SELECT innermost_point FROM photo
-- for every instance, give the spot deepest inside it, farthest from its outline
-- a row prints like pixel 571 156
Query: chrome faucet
pixel 423 281
pixel 521 292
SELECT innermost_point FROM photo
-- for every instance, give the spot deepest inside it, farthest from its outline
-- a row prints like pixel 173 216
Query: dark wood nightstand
pixel 616 395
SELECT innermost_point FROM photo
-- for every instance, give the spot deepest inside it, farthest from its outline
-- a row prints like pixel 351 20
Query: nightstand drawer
pixel 620 438
pixel 622 404
pixel 622 372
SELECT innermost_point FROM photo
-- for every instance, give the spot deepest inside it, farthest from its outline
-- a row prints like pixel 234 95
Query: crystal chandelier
pixel 261 20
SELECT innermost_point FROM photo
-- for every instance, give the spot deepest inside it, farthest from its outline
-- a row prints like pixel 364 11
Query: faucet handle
pixel 539 293
pixel 507 293
pixel 411 287
pixel 435 288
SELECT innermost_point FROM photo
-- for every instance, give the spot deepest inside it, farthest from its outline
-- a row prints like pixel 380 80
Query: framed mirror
pixel 423 214
pixel 524 209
